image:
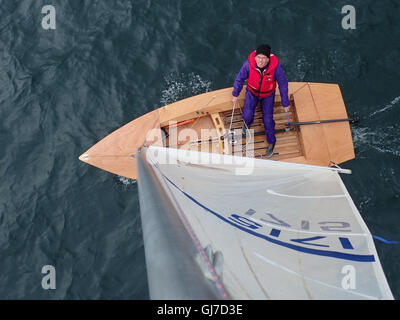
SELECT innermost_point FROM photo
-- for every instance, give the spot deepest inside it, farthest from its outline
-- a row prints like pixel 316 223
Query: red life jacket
pixel 262 84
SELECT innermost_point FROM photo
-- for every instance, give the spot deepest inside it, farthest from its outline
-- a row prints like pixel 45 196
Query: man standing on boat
pixel 262 70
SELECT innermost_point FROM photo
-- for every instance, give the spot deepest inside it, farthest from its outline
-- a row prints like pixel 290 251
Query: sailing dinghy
pixel 222 222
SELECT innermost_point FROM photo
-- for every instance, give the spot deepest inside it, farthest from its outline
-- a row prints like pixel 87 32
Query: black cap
pixel 264 49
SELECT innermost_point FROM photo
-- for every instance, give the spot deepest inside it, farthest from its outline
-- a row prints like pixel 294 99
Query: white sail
pixel 285 231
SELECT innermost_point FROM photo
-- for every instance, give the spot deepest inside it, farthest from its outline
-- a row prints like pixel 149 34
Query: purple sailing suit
pixel 267 104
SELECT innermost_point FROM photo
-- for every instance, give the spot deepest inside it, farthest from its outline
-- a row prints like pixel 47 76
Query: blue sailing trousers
pixel 267 107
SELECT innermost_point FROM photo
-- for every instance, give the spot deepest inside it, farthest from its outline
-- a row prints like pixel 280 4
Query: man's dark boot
pixel 270 150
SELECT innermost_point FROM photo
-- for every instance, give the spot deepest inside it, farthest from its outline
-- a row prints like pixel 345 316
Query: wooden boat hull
pixel 186 121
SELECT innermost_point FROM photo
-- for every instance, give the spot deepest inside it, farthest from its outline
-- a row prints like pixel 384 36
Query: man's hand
pixel 286 109
pixel 234 100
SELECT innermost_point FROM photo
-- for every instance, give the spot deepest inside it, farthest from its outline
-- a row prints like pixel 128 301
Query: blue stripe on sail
pixel 326 253
pixel 275 232
pixel 346 243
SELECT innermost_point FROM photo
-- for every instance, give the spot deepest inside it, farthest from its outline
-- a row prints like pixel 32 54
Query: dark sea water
pixel 110 61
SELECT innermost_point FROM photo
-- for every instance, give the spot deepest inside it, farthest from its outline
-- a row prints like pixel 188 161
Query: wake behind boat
pixel 222 222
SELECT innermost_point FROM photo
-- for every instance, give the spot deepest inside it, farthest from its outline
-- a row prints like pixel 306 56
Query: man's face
pixel 261 60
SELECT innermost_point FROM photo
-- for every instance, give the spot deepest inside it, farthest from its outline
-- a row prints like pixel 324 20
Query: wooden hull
pixel 198 122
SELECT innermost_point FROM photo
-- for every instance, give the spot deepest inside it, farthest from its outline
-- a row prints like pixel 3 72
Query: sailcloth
pixel 284 230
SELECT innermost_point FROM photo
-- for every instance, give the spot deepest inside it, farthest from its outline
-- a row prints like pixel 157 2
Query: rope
pixel 384 240
pixel 333 164
pixel 233 111
pixel 288 117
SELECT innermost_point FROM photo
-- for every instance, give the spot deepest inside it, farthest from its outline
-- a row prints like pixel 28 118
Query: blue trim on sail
pixel 326 253
pixel 275 232
pixel 346 243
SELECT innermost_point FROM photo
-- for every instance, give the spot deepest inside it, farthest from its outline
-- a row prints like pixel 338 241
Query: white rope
pixel 247 128
pixel 233 111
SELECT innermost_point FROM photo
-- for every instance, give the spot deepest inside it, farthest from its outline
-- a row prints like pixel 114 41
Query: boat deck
pixel 288 144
